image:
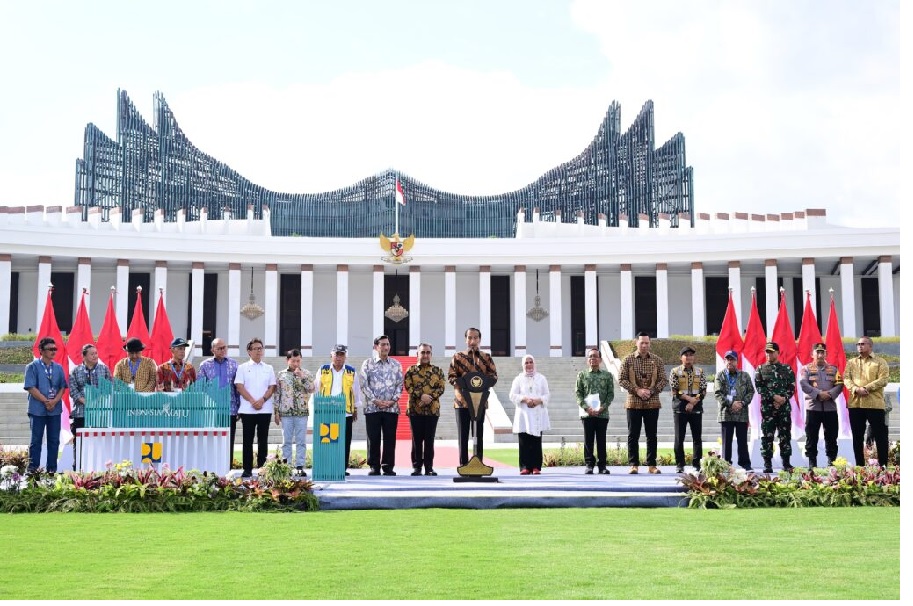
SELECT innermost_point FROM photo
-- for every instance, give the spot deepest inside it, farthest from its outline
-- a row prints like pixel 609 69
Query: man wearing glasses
pixel 256 383
pixel 336 378
pixel 866 376
pixel 45 383
pixel 223 369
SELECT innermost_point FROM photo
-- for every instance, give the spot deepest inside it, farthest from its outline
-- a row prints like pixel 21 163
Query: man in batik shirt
pixel 382 384
pixel 424 383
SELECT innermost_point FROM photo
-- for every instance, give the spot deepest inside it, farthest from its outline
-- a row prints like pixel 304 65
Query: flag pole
pixel 396 204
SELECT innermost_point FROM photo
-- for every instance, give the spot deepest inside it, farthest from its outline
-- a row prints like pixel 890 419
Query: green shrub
pixel 12 336
pixel 16 355
pixel 12 377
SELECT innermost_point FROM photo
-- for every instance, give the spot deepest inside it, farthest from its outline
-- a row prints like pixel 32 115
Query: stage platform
pixel 555 487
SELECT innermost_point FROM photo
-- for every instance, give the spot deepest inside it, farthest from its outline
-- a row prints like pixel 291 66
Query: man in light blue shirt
pixel 45 382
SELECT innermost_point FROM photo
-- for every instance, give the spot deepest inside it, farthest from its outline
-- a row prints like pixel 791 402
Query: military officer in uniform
pixel 775 383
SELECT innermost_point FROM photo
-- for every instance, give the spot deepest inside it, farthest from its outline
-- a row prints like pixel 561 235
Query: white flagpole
pixel 396 204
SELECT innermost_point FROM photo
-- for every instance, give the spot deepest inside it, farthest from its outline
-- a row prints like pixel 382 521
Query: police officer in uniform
pixel 775 383
pixel 821 382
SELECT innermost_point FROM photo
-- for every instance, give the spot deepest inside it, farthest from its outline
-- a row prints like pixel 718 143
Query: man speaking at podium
pixel 463 362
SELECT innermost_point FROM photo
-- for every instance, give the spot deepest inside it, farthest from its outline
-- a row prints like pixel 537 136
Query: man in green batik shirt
pixel 775 383
pixel 595 390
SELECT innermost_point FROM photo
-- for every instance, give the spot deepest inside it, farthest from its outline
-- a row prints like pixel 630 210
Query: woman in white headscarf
pixel 529 393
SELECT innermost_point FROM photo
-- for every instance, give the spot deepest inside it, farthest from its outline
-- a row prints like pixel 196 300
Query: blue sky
pixel 784 105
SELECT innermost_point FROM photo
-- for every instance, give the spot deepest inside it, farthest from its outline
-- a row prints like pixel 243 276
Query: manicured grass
pixel 457 554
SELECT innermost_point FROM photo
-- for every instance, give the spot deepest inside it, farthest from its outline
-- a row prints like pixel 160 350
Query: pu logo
pixel 151 452
pixel 329 433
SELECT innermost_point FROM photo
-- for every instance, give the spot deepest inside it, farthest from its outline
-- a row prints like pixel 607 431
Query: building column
pixel 271 307
pixel 519 310
pixel 771 294
pixel 662 300
pixel 342 304
pixel 554 316
pixel 159 285
pixel 808 281
pixel 591 307
pixel 449 310
pixel 307 311
pixel 377 303
pixel 415 313
pixel 848 297
pixel 6 291
pixel 886 295
pixel 735 283
pixel 122 288
pixel 44 279
pixel 626 292
pixel 83 281
pixel 698 301
pixel 196 310
pixel 233 339
pixel 485 307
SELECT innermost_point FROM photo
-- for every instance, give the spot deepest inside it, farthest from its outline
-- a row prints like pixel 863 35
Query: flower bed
pixel 121 488
pixel 720 486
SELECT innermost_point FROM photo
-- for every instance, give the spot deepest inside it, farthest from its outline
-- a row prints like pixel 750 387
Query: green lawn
pixel 457 554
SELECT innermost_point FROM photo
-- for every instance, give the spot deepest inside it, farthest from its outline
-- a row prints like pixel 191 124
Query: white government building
pixel 595 282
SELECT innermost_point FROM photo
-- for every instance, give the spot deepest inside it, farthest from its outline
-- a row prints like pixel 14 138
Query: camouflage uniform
pixel 775 380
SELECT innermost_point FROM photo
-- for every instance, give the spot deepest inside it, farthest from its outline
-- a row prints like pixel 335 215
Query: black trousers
pixel 740 430
pixel 423 429
pixel 530 451
pixel 251 424
pixel 463 423
pixel 682 421
pixel 76 423
pixel 874 417
pixel 381 425
pixel 348 440
pixel 814 419
pixel 594 430
pixel 233 430
pixel 647 417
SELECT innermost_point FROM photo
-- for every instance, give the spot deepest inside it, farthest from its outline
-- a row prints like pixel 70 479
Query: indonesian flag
pixel 82 332
pixel 837 356
pixel 49 328
pixel 137 327
pixel 730 338
pixel 400 196
pixel 752 357
pixel 808 336
pixel 784 336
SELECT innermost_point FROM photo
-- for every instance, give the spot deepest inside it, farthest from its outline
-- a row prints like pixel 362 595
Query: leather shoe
pixel 633 469
pixel 537 471
pixel 389 472
pixel 654 469
pixel 416 472
pixel 347 473
pixel 524 472
pixel 603 471
pixel 374 472
pixel 430 472
pixel 588 471
pixel 680 469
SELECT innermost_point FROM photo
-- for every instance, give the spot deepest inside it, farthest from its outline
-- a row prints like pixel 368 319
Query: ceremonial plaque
pixel 474 388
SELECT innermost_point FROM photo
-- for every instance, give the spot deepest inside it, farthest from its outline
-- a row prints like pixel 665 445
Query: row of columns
pixel 626 294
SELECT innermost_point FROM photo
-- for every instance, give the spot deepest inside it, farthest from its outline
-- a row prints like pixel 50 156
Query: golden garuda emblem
pixel 396 248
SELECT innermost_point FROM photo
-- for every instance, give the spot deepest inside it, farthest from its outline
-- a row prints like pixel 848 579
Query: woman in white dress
pixel 529 393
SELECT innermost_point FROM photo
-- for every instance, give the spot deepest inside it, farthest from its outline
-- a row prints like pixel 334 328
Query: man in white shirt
pixel 256 383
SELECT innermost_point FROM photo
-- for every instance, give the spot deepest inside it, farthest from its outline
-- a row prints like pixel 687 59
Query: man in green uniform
pixel 775 383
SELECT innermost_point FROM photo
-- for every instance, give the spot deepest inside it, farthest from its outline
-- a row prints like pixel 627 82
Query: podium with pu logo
pixel 329 447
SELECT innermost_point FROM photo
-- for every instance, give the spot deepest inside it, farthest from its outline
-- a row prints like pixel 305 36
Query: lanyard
pixel 49 371
pixel 178 375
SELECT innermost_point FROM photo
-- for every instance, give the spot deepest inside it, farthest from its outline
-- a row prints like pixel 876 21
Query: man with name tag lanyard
pixel 45 383
pixel 135 370
pixel 82 376
pixel 594 389
pixel 176 375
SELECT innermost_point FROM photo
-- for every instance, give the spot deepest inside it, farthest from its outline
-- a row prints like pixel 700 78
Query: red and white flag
pixel 808 336
pixel 137 327
pixel 784 336
pixel 730 338
pixel 836 355
pixel 752 357
pixel 400 196
pixel 81 334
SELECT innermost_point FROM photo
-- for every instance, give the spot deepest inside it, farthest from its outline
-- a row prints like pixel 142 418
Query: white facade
pixel 450 279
